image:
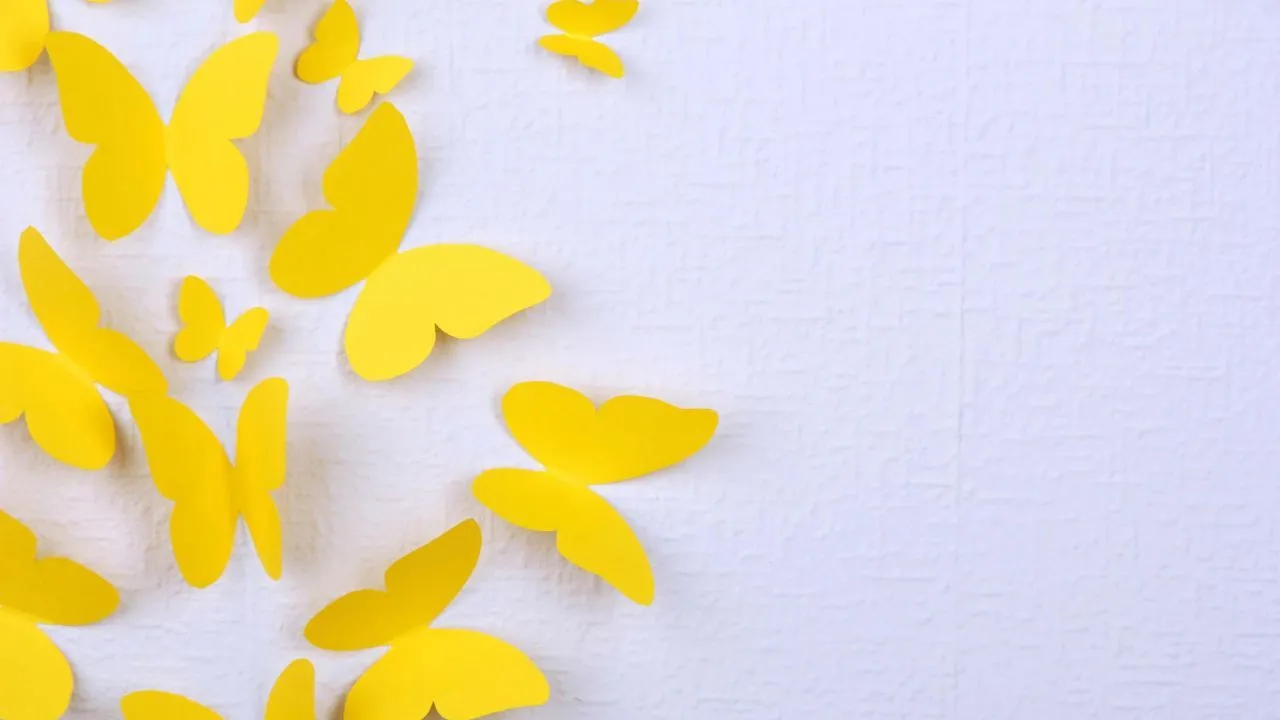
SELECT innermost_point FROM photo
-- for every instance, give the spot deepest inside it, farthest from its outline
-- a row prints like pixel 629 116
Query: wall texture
pixel 986 292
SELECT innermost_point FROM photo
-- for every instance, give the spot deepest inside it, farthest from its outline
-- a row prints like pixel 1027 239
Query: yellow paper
pixel 205 329
pixel 103 105
pixel 580 22
pixel 334 53
pixel 461 289
pixel 627 437
pixel 291 698
pixel 190 467
pixel 246 10
pixel 35 679
pixel 56 391
pixel 465 674
pixel 23 27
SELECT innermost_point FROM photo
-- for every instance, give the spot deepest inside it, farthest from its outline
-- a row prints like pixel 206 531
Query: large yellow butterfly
pixel 190 467
pixel 462 289
pixel 580 446
pixel 103 105
pixel 334 54
pixel 465 674
pixel 35 678
pixel 57 391
pixel 580 22
pixel 293 697
pixel 23 32
pixel 205 329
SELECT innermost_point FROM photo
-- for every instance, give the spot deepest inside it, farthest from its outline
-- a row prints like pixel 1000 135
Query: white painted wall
pixel 985 291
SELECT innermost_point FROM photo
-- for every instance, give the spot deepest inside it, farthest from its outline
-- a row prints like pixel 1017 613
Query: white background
pixel 985 292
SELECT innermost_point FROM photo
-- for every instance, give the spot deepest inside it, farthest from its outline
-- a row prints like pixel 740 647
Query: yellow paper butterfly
pixel 23 31
pixel 35 678
pixel 57 391
pixel 580 22
pixel 205 329
pixel 334 54
pixel 462 289
pixel 246 9
pixel 190 467
pixel 103 105
pixel 465 674
pixel 580 446
pixel 293 697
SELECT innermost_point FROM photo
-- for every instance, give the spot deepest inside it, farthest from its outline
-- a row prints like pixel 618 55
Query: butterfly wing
pixel 245 10
pixel 64 412
pixel 54 591
pixel 463 289
pixel 337 44
pixel 156 705
pixel 223 101
pixel 465 674
pixel 373 187
pixel 365 77
pixel 22 33
pixel 293 697
pixel 240 339
pixel 592 54
pixel 575 17
pixel 203 321
pixel 260 468
pixel 589 532
pixel 17 545
pixel 35 678
pixel 103 105
pixel 189 466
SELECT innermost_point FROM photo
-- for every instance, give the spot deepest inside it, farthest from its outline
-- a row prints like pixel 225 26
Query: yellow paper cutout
pixel 23 31
pixel 580 22
pixel 35 678
pixel 205 329
pixel 57 392
pixel 246 10
pixel 334 53
pixel 461 289
pixel 291 698
pixel 465 674
pixel 627 437
pixel 103 105
pixel 190 467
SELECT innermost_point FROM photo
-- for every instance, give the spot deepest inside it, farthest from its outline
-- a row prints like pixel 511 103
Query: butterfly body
pixel 334 54
pixel 580 23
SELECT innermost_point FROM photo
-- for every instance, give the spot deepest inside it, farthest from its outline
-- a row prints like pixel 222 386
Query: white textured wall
pixel 986 292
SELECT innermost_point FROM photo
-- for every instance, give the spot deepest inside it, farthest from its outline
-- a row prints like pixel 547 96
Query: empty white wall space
pixel 987 293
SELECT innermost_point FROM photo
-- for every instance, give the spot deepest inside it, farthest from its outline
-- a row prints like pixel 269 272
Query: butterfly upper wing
pixel 190 467
pixel 293 697
pixel 241 338
pixel 36 677
pixel 595 55
pixel 336 46
pixel 203 320
pixel 103 105
pixel 463 289
pixel 589 532
pixel 463 673
pixel 22 33
pixel 156 705
pixel 260 468
pixel 373 188
pixel 64 412
pixel 363 78
pixel 629 436
pixel 575 17
pixel 54 591
pixel 223 101
pixel 245 10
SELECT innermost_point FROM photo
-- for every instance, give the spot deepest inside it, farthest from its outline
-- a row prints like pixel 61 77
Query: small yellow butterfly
pixel 246 9
pixel 334 54
pixel 462 289
pixel 465 674
pixel 190 467
pixel 205 329
pixel 35 678
pixel 57 391
pixel 104 105
pixel 23 32
pixel 629 436
pixel 580 22
pixel 293 697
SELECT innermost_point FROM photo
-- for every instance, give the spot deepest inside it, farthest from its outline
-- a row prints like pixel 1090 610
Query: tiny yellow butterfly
pixel 205 329
pixel 580 22
pixel 334 53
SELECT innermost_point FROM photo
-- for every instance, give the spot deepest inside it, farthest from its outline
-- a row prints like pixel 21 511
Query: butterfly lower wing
pixel 337 42
pixel 156 705
pixel 64 411
pixel 463 289
pixel 293 697
pixel 22 33
pixel 241 338
pixel 591 53
pixel 462 673
pixel 429 578
pixel 589 532
pixel 364 78
pixel 203 320
pixel 35 678
pixel 260 468
pixel 246 10
pixel 17 545
pixel 58 591
pixel 360 620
